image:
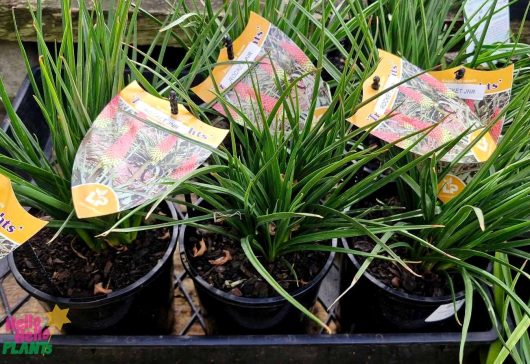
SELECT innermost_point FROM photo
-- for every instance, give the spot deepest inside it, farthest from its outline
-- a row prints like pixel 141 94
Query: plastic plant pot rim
pixel 118 295
pixel 402 295
pixel 245 301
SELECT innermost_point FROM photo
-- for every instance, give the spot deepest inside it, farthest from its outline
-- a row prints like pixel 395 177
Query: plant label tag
pixel 414 106
pixel 468 92
pixel 444 311
pixel 450 187
pixel 266 62
pixel 498 29
pixel 484 148
pixel 248 55
pixel 497 87
pixel 16 225
pixel 487 93
pixel 136 151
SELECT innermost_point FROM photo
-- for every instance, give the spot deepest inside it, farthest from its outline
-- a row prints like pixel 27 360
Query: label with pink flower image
pixel 492 92
pixel 410 101
pixel 486 93
pixel 266 62
pixel 135 151
pixel 248 55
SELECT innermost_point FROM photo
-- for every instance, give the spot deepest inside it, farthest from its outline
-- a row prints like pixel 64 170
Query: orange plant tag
pixel 135 151
pixel 450 187
pixel 16 224
pixel 487 93
pixel 266 61
pixel 407 101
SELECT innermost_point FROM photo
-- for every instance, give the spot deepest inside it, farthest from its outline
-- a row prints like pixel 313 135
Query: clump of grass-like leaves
pixel 281 192
pixel 78 77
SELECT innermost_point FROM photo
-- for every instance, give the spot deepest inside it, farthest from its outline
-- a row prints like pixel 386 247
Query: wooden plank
pixel 147 28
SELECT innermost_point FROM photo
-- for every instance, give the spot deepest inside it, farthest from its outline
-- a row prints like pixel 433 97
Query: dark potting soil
pixel 237 275
pixel 337 59
pixel 394 275
pixel 73 270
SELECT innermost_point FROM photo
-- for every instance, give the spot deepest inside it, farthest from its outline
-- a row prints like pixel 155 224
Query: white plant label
pixel 468 92
pixel 249 54
pixel 444 311
pixel 499 26
pixel 388 97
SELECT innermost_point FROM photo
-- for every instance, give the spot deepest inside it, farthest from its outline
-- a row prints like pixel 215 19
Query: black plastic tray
pixel 428 348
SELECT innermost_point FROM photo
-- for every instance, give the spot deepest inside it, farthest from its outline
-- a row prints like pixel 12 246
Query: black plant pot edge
pixel 403 295
pixel 17 101
pixel 235 300
pixel 91 302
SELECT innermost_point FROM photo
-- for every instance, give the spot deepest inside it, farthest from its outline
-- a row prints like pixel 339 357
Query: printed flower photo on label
pixel 419 103
pixel 274 62
pixel 6 247
pixel 125 161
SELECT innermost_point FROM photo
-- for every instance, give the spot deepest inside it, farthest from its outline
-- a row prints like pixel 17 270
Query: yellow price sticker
pixel 450 187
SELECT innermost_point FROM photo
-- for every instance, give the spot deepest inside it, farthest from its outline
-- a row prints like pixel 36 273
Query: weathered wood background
pixel 52 19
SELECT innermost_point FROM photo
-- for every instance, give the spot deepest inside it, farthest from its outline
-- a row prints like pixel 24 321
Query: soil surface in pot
pixel 72 270
pixel 223 264
pixel 393 274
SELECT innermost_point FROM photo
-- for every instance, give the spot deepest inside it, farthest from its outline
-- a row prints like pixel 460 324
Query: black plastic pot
pixel 230 314
pixel 517 9
pixel 142 308
pixel 372 306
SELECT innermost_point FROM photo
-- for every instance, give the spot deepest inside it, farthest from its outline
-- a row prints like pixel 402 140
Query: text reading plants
pixel 129 157
pixel 265 61
pixel 16 225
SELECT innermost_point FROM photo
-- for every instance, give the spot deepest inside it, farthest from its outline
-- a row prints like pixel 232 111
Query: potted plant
pixel 482 220
pixel 264 235
pixel 120 283
pixel 434 38
pixel 272 205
